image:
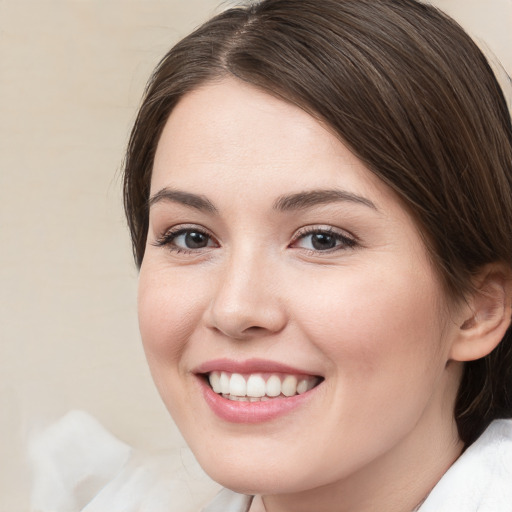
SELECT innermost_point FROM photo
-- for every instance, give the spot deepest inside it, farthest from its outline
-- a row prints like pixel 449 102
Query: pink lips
pixel 248 366
pixel 250 412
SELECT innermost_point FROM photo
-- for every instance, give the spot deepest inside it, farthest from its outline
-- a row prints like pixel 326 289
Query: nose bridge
pixel 246 299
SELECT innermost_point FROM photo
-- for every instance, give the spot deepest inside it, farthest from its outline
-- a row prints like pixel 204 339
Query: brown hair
pixel 412 96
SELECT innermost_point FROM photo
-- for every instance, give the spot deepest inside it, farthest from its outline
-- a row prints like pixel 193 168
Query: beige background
pixel 71 75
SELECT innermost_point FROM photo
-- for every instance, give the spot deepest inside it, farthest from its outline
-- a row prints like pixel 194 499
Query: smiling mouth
pixel 259 387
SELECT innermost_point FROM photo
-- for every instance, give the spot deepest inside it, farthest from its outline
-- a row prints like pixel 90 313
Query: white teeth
pixel 256 386
pixel 215 382
pixel 224 383
pixel 237 385
pixel 253 388
pixel 302 386
pixel 273 386
pixel 289 385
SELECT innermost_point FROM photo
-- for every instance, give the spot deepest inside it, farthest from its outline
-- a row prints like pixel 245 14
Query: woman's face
pixel 277 264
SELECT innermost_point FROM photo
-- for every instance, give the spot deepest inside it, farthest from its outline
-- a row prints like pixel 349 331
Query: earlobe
pixel 486 316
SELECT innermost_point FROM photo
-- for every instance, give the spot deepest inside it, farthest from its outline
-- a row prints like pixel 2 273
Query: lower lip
pixel 252 412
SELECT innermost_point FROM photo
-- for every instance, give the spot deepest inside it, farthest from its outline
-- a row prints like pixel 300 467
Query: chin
pixel 255 481
pixel 266 474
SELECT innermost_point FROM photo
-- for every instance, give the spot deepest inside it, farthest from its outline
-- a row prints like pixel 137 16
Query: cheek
pixel 382 339
pixel 376 326
pixel 168 311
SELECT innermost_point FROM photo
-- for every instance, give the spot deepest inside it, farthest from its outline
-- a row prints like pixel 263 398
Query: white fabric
pixel 71 461
pixel 481 479
pixel 80 467
pixel 229 501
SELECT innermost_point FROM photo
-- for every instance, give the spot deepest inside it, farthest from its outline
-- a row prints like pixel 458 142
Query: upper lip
pixel 249 366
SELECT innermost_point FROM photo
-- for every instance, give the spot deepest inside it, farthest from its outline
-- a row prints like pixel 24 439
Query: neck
pixel 398 481
pixel 387 488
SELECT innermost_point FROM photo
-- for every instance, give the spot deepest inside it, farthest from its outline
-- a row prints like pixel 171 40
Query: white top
pixel 481 479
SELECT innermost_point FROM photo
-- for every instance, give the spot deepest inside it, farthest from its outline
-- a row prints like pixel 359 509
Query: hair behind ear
pixel 484 392
pixel 485 344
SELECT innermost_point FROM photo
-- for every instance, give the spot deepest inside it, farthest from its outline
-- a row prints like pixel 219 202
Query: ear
pixel 486 315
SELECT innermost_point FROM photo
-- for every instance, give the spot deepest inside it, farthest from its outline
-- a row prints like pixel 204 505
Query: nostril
pixel 255 329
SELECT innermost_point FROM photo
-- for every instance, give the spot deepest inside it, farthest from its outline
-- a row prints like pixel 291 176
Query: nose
pixel 247 302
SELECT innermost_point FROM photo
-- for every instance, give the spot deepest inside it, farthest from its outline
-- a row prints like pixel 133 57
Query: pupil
pixel 194 240
pixel 321 241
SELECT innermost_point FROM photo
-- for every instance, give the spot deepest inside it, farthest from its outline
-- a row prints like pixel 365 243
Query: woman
pixel 319 197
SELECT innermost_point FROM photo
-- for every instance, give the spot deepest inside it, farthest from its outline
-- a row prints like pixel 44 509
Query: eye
pixel 183 239
pixel 323 240
pixel 192 240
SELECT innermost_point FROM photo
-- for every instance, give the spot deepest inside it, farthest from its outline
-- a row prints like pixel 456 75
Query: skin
pixel 370 316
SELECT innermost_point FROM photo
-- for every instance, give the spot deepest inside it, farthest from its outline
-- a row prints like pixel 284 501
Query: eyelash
pixel 346 241
pixel 169 237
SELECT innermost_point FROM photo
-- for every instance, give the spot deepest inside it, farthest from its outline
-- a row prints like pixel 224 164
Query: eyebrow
pixel 311 198
pixel 195 201
pixel 290 202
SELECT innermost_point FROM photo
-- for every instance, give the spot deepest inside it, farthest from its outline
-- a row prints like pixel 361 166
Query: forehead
pixel 232 125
